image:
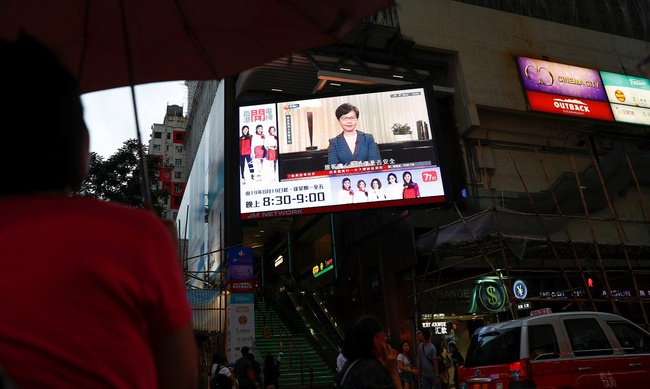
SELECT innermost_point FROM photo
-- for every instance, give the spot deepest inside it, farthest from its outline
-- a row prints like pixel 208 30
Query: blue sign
pixel 520 289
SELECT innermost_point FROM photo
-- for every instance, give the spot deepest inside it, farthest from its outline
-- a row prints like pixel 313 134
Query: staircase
pixel 303 366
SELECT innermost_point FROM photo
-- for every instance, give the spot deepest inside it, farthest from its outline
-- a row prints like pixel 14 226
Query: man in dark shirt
pixel 244 370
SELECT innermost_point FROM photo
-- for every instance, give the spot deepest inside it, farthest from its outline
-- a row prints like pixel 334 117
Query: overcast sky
pixel 110 119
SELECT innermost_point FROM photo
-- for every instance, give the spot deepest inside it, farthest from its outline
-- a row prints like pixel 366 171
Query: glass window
pixel 587 338
pixel 494 347
pixel 178 174
pixel 169 136
pixel 178 162
pixel 157 135
pixel 632 339
pixel 542 343
pixel 156 147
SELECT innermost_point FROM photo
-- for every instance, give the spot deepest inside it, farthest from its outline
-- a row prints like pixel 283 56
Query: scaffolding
pixel 566 253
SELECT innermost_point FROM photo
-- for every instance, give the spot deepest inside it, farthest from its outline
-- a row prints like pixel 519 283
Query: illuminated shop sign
pixel 551 295
pixel 519 289
pixel 437 327
pixel 559 79
pixel 627 90
pixel 569 106
pixel 523 306
pixel 629 114
pixel 491 295
pixel 322 268
pixel 629 97
pixel 580 92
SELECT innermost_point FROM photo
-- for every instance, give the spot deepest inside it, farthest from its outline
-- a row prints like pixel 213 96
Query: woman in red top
pixel 245 153
pixel 411 189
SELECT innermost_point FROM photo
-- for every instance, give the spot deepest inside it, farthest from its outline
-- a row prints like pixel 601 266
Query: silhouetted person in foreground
pixel 92 293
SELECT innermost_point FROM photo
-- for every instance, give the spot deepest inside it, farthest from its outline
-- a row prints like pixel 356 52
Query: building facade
pixel 550 202
pixel 167 140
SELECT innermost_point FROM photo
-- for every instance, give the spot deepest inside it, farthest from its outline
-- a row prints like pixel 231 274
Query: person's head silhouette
pixel 43 118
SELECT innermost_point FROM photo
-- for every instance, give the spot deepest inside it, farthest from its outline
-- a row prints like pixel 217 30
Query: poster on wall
pixel 337 153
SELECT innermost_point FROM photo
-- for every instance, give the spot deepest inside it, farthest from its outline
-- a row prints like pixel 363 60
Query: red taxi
pixel 588 350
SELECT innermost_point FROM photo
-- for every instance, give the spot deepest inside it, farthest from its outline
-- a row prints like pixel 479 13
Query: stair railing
pixel 302 372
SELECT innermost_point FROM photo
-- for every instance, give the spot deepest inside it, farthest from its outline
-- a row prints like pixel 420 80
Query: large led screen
pixel 337 154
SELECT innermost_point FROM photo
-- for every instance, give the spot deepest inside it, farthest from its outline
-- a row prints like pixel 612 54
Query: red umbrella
pixel 114 43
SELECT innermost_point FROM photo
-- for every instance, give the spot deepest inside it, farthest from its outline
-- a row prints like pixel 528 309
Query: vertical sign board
pixel 240 311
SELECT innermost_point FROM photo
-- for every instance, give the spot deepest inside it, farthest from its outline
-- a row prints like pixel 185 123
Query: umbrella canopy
pixel 114 43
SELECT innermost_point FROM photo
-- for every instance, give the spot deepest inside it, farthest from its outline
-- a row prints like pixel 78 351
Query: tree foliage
pixel 119 178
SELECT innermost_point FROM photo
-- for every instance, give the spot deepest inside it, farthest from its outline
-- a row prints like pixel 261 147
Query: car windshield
pixel 494 347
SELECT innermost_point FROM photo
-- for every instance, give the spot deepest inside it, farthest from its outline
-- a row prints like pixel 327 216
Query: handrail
pixel 308 322
pixel 331 319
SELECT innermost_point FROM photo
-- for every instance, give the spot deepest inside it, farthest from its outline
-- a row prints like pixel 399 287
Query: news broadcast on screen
pixel 340 153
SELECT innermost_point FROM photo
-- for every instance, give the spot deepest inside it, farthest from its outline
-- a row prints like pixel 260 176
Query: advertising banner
pixel 629 97
pixel 627 90
pixel 569 106
pixel 580 92
pixel 559 79
pixel 240 311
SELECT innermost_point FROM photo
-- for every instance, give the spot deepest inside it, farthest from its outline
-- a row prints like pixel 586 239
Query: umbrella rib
pixel 84 43
pixel 195 40
pixel 145 187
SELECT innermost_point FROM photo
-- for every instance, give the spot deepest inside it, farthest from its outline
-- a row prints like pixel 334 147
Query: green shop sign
pixel 491 295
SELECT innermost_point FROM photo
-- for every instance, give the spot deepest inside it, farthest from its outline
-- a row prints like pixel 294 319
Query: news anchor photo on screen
pixel 351 144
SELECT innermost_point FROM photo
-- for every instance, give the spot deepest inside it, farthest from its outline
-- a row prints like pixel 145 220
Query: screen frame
pixel 437 157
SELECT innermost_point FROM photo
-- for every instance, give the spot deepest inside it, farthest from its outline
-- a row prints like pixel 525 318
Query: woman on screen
pixel 351 145
pixel 245 153
pixel 271 145
pixel 394 191
pixel 411 189
pixel 376 193
pixel 258 152
pixel 361 195
pixel 346 194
